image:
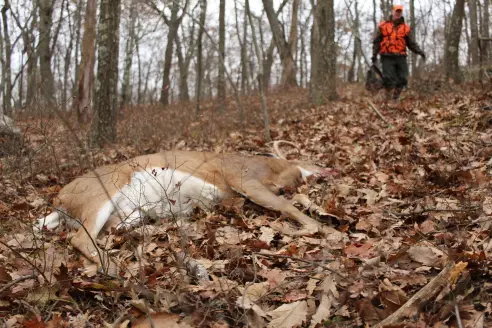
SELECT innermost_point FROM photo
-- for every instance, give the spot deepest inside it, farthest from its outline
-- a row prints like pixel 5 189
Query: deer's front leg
pixel 261 195
pixel 85 239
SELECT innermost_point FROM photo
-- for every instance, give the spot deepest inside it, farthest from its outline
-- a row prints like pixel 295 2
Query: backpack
pixel 374 79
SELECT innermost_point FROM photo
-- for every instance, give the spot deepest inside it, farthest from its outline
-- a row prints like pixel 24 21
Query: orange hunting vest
pixel 394 38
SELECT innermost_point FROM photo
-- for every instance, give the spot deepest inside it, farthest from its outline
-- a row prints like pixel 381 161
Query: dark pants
pixel 395 71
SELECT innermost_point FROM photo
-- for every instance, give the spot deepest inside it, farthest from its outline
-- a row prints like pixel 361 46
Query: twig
pixel 343 275
pixel 457 314
pixel 16 252
pixel 117 323
pixel 15 281
pixel 425 294
pixel 379 113
pixel 434 210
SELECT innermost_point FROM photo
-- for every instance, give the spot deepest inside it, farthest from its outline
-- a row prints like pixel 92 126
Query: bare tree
pixel 68 56
pixel 268 57
pixel 32 59
pixel 244 49
pixel 173 24
pixel 266 118
pixel 451 51
pixel 78 27
pixel 7 78
pixel 199 69
pixel 357 51
pixel 86 67
pixel 472 7
pixel 283 46
pixel 323 53
pixel 104 122
pixel 45 52
pixel 126 90
pixel 486 29
pixel 386 6
pixel 374 17
pixel 413 27
pixel 221 86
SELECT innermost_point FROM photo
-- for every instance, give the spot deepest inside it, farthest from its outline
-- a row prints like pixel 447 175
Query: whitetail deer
pixel 169 184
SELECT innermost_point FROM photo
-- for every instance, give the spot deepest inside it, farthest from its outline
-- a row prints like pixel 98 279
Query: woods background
pixel 97 57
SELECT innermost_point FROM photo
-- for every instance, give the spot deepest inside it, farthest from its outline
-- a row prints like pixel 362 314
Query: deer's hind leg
pixel 85 238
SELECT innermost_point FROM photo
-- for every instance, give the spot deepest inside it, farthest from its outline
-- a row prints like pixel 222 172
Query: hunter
pixel 391 42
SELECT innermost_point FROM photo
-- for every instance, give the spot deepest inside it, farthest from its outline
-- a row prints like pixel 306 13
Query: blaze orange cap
pixel 398 7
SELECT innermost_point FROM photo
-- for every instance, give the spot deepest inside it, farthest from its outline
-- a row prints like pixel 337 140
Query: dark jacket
pixel 409 39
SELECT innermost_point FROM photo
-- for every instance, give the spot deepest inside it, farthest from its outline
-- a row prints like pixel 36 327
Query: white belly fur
pixel 163 193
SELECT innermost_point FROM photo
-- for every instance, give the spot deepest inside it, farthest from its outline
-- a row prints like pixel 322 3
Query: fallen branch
pixel 16 281
pixel 343 275
pixel 457 314
pixel 447 275
pixel 379 113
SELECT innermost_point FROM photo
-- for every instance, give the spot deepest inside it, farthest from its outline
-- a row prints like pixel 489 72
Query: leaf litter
pixel 409 200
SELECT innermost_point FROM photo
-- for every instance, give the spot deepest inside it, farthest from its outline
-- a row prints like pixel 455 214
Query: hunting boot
pixel 388 95
pixel 396 94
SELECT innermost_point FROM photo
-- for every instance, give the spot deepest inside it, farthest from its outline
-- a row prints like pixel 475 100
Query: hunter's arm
pixel 412 45
pixel 376 43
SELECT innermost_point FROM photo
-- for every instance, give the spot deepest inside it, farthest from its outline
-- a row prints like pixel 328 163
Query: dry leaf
pixel 267 234
pixel 425 253
pixel 227 235
pixel 167 320
pixel 323 310
pixel 288 315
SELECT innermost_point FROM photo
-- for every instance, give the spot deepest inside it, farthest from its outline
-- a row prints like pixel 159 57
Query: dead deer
pixel 169 184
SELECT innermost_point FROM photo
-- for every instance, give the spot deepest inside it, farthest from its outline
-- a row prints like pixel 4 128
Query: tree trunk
pixel 472 7
pixel 44 50
pixel 183 63
pixel 139 64
pixel 7 100
pixel 323 53
pixel 292 42
pixel 104 122
pixel 2 81
pixel 126 90
pixel 67 59
pixel 486 53
pixel 199 64
pixel 386 8
pixel 268 57
pixel 266 115
pixel 146 84
pixel 244 53
pixel 173 25
pixel 86 68
pixel 413 27
pixel 356 66
pixel 286 57
pixel 32 61
pixel 78 28
pixel 374 17
pixel 468 41
pixel 303 67
pixel 451 54
pixel 221 85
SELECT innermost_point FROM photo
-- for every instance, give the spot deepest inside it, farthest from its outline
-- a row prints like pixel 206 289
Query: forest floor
pixel 413 200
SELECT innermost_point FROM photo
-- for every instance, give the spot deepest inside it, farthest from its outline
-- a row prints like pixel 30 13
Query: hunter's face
pixel 397 14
